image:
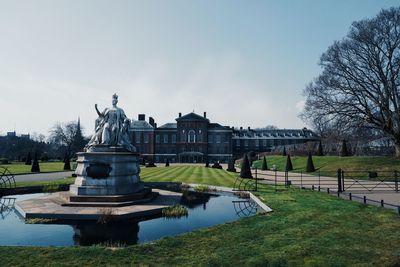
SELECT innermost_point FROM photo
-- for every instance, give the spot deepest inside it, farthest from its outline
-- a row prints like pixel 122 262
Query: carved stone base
pixel 105 173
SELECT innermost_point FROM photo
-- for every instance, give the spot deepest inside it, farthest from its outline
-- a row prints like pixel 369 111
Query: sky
pixel 244 62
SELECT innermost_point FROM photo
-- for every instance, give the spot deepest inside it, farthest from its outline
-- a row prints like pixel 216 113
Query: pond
pixel 204 210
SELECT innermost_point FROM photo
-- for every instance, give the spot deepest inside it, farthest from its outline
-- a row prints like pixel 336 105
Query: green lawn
pixel 68 180
pixel 328 165
pixel 18 168
pixel 307 228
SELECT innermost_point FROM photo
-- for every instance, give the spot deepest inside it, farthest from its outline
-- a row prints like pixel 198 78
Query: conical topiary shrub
pixel 284 151
pixel 167 163
pixel 231 165
pixel 35 164
pixel 67 164
pixel 207 163
pixel 245 171
pixel 344 152
pixel 28 159
pixel 264 165
pixel 310 163
pixel 320 151
pixel 289 165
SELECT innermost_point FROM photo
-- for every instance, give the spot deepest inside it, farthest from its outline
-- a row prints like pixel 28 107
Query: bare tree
pixel 359 84
pixel 65 135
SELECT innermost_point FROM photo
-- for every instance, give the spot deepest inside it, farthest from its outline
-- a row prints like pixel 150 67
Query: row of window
pixel 266 142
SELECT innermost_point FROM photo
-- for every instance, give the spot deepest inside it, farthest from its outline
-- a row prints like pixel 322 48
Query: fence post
pixel 275 181
pixel 382 203
pixel 256 179
pixel 365 199
pixel 319 178
pixel 339 180
pixel 396 181
pixel 343 181
pixel 286 179
pixel 301 180
pixel 350 197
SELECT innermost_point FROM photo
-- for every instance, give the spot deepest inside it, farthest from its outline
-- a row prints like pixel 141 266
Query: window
pixel 191 136
pixel 157 138
pixel 174 138
pixel 237 142
pixel 146 137
pixel 183 136
pixel 264 142
pixel 246 142
pixel 137 137
pixel 199 137
pixel 211 138
pixel 165 138
pixel 218 139
pixel 257 142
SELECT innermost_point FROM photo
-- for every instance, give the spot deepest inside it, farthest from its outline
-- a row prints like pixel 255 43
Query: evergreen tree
pixel 167 163
pixel 344 152
pixel 207 163
pixel 320 151
pixel 67 164
pixel 264 165
pixel 231 165
pixel 28 159
pixel 289 165
pixel 284 151
pixel 245 171
pixel 35 164
pixel 310 163
pixel 79 141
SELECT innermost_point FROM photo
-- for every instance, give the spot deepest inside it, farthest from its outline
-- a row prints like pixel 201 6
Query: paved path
pixel 45 176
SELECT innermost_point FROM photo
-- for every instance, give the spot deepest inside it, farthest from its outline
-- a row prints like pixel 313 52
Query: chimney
pixel 205 114
pixel 151 121
pixel 155 125
pixel 142 117
pixel 248 128
pixel 180 114
pixel 241 128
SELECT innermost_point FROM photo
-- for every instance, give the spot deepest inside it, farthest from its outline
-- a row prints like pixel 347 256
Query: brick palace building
pixel 193 138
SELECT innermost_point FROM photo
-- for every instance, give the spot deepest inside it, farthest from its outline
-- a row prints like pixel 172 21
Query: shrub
pixel 28 159
pixel 167 163
pixel 289 165
pixel 35 164
pixel 231 165
pixel 320 151
pixel 310 164
pixel 67 164
pixel 44 157
pixel 264 165
pixel 284 151
pixel 151 164
pixel 245 171
pixel 344 152
pixel 4 161
pixel 216 165
pixel 207 163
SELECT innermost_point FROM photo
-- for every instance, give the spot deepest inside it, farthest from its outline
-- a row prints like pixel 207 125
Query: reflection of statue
pixel 112 127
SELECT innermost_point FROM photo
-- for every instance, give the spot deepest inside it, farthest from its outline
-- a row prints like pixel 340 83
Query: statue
pixel 112 128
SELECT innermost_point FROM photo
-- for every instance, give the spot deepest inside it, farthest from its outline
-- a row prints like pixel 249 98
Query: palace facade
pixel 194 139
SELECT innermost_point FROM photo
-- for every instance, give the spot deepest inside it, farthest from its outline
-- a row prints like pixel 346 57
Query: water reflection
pixel 6 206
pixel 204 210
pixel 121 233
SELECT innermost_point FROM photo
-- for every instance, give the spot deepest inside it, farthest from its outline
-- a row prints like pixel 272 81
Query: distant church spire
pixel 79 123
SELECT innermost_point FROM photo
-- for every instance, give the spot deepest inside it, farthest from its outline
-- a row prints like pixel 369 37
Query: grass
pixel 328 165
pixel 307 228
pixel 47 184
pixel 176 211
pixel 19 168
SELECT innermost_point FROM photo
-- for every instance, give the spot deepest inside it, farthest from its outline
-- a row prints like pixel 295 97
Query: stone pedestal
pixel 107 172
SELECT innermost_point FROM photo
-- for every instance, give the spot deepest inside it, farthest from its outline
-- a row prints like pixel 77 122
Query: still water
pixel 204 210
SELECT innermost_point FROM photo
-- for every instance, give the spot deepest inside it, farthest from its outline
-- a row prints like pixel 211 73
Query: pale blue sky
pixel 244 62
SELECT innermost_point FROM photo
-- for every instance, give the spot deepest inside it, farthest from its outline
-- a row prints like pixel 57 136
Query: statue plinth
pixel 106 171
